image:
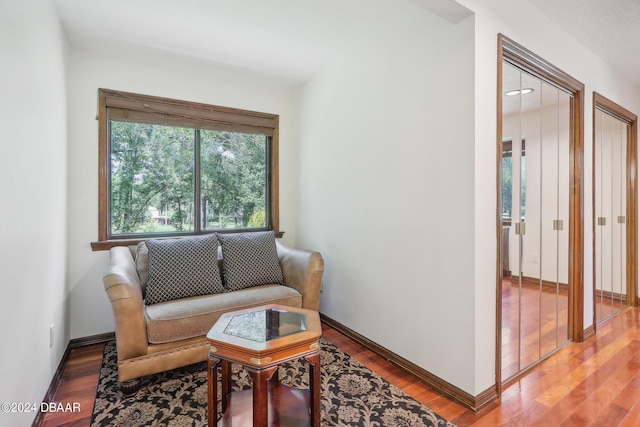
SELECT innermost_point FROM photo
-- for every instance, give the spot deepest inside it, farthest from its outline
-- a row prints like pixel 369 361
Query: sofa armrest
pixel 122 284
pixel 302 271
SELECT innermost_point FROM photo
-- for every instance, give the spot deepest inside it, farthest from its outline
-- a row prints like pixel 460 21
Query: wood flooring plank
pixel 632 419
pixel 587 397
pixel 560 390
pixel 628 396
pixel 613 415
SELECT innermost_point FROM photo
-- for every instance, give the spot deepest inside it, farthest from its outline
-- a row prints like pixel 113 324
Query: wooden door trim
pixel 523 58
pixel 621 113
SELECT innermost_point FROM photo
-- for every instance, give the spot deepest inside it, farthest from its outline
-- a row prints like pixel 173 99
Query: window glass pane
pixel 233 179
pixel 506 188
pixel 152 173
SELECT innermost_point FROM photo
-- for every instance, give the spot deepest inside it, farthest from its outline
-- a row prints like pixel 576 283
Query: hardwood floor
pixel 593 383
pixel 78 384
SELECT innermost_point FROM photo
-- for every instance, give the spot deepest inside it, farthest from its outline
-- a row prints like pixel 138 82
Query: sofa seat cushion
pixel 192 317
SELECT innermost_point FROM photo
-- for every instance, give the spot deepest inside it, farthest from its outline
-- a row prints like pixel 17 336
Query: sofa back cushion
pixel 182 268
pixel 142 265
pixel 250 259
pixel 141 256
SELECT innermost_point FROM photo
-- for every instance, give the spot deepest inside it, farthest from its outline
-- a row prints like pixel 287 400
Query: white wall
pixel 524 24
pixel 160 75
pixel 386 189
pixel 33 193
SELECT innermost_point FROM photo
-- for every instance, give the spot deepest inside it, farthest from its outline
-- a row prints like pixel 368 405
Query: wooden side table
pixel 260 339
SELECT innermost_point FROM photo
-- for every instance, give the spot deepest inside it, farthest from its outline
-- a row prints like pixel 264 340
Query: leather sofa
pixel 159 337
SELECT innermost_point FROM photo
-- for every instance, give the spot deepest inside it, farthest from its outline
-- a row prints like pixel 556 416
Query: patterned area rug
pixel 352 395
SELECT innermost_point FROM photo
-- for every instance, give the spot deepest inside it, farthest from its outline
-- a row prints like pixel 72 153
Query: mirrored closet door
pixel 535 159
pixel 614 217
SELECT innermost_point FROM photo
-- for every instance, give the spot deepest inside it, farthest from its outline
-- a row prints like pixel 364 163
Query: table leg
pixel 314 387
pixel 212 365
pixel 260 379
pixel 226 384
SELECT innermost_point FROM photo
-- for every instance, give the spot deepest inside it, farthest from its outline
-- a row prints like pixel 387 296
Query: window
pixel 507 178
pixel 171 168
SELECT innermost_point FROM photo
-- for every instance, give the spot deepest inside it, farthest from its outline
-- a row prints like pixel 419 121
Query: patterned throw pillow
pixel 182 268
pixel 250 259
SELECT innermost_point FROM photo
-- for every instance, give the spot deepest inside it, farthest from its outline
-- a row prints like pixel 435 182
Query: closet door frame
pixel 619 112
pixel 512 52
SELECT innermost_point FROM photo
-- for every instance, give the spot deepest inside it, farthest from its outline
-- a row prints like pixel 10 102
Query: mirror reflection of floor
pixel 539 338
pixel 608 305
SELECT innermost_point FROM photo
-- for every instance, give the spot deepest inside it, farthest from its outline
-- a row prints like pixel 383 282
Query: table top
pixel 265 329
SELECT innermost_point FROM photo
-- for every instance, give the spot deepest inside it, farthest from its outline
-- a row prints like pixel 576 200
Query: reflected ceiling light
pixel 519 92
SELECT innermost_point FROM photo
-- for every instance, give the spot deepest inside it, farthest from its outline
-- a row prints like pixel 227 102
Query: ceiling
pixel 609 28
pixel 290 39
pixel 293 39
